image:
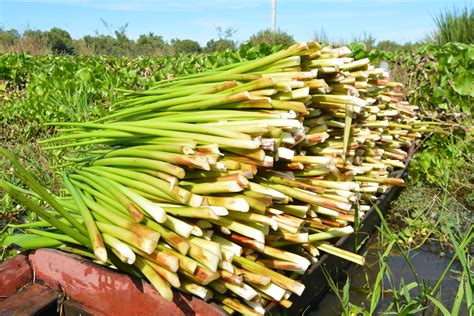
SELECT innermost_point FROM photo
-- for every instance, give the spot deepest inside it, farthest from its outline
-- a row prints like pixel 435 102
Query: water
pixel 427 262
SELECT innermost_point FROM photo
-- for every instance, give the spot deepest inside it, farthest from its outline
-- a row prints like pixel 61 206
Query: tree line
pixel 59 41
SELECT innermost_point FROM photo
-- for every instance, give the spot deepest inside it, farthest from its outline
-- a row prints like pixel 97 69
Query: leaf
pixel 440 305
pixel 346 292
pixel 84 74
pixel 27 241
pixel 459 296
pixel 464 83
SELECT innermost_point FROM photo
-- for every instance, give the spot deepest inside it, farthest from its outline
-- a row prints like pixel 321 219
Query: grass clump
pixel 454 26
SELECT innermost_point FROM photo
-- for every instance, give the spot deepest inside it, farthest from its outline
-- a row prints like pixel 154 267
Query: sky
pixel 397 20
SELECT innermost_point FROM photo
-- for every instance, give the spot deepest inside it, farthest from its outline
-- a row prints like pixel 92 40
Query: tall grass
pixel 389 294
pixel 454 26
pixel 419 297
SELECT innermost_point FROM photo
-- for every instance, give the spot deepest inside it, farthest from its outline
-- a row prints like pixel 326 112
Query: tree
pixel 151 44
pixel 9 38
pixel 35 42
pixel 389 46
pixel 185 46
pixel 219 45
pixel 123 45
pixel 101 44
pixel 224 42
pixel 60 41
pixel 35 34
pixel 270 38
pixel 227 33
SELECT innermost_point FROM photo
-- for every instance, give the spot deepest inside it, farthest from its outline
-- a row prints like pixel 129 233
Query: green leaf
pixel 27 241
pixel 84 74
pixel 440 305
pixel 459 296
pixel 464 83
pixel 346 292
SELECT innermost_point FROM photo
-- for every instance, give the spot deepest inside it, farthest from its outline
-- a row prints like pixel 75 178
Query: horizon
pixel 340 20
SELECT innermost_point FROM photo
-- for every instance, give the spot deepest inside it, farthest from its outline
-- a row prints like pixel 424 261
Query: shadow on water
pixel 427 262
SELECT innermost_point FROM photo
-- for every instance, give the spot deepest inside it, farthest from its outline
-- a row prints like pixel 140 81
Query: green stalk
pixel 235 305
pixel 77 251
pixel 151 208
pixel 178 226
pixel 283 265
pixel 347 129
pixel 267 60
pixel 240 228
pixel 158 283
pixel 132 183
pixel 223 100
pixel 94 234
pixel 105 185
pixel 360 260
pixel 172 180
pixel 165 260
pixel 255 278
pixel 94 134
pixel 295 210
pixel 157 105
pixel 207 116
pixel 302 262
pixel 145 244
pixel 33 206
pixel 141 230
pixel 295 184
pixel 49 234
pixel 174 240
pixel 390 181
pixel 170 277
pixel 202 275
pixel 186 127
pixel 142 163
pixel 212 187
pixel 180 159
pixel 333 233
pixel 310 198
pixel 149 96
pixel 254 218
pixel 284 238
pixel 169 148
pixel 35 224
pixel 277 278
pixel 193 212
pixel 197 290
pixel 253 85
pixel 125 252
pixel 204 256
pixel 29 180
pixel 244 291
pixel 185 263
pixel 209 76
pixel 231 203
pixel 29 241
pixel 238 143
pixel 102 199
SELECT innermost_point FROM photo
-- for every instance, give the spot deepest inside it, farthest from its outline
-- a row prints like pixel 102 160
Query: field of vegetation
pixel 82 80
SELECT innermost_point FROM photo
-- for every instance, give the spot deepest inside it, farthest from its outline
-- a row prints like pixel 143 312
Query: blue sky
pixel 398 20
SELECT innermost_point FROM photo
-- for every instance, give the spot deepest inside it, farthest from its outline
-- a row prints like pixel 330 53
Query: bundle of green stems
pixel 226 184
